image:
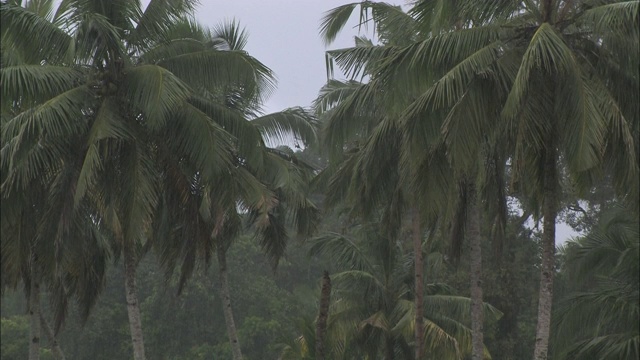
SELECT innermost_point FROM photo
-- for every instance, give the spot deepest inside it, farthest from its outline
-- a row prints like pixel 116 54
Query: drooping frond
pixel 619 18
pixel 155 92
pixel 333 93
pixel 28 84
pixel 196 137
pixel 222 70
pixel 156 21
pixel 601 320
pixel 107 124
pixel 342 249
pixel 247 138
pixel 36 38
pixel 335 20
pixel 293 123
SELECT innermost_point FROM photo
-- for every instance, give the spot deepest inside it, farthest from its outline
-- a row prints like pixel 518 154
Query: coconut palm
pixel 45 244
pixel 425 160
pixel 368 129
pixel 560 76
pixel 266 188
pixel 564 53
pixel 198 220
pixel 599 320
pixel 131 94
pixel 64 254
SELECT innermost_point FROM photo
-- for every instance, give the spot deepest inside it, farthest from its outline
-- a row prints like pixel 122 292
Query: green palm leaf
pixel 296 123
pixel 45 40
pixel 154 91
pixel 37 83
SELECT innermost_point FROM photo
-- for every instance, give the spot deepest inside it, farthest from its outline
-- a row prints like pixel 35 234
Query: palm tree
pixel 137 94
pixel 558 74
pixel 46 246
pixel 564 52
pixel 200 219
pixel 372 169
pixel 425 159
pixel 599 319
pixel 267 186
pixel 374 289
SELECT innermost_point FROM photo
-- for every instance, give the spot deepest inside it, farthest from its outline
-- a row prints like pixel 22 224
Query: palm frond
pixel 153 24
pixel 334 21
pixel 36 83
pixel 155 92
pixel 140 194
pixel 341 249
pixel 221 70
pixel 620 18
pixel 289 124
pixel 107 124
pixel 333 93
pixel 45 40
pixel 233 35
pixel 193 135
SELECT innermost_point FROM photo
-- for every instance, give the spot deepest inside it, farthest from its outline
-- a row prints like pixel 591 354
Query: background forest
pixel 151 208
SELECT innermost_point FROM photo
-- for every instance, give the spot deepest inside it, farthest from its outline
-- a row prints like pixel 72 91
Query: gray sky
pixel 284 35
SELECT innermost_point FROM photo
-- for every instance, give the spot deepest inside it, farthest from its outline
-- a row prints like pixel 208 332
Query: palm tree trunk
pixel 475 242
pixel 323 314
pixel 133 306
pixel 226 302
pixel 53 341
pixel 34 313
pixel 419 282
pixel 547 10
pixel 549 212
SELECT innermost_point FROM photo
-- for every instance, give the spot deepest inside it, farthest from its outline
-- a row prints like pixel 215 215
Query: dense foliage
pixel 140 192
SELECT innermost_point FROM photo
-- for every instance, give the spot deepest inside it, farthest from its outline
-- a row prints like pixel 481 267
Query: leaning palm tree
pixel 600 320
pixel 120 90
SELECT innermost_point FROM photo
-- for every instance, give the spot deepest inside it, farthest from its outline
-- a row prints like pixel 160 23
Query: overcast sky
pixel 284 35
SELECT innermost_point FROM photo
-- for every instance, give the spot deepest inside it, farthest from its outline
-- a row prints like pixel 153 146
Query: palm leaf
pixel 36 38
pixel 155 92
pixel 341 249
pixel 296 123
pixel 37 83
pixel 154 23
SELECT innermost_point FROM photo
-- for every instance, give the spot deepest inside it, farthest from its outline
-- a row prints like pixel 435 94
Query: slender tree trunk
pixel 133 305
pixel 547 10
pixel 226 302
pixel 53 341
pixel 475 242
pixel 549 212
pixel 34 313
pixel 419 282
pixel 323 315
